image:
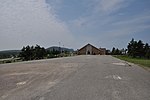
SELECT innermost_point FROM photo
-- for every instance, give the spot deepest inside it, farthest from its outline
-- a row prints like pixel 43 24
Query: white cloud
pixel 31 22
pixel 112 24
pixel 107 23
pixel 137 19
pixel 100 11
pixel 55 4
pixel 107 5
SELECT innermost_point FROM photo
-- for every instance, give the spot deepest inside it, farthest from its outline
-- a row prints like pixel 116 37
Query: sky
pixel 73 23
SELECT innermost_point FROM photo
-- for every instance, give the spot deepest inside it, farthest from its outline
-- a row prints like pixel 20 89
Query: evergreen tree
pixel 31 53
pixel 146 49
pixel 117 52
pixel 132 48
pixel 140 49
pixel 113 51
pixel 147 55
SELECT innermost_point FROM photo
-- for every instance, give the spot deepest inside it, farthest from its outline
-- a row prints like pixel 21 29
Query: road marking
pixel 21 83
pixel 109 76
pixel 120 63
pixel 115 77
pixel 4 96
pixel 51 83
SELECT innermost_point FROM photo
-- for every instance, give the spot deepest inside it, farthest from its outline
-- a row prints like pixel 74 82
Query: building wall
pixel 89 49
pixel 82 51
pixel 103 51
pixel 96 51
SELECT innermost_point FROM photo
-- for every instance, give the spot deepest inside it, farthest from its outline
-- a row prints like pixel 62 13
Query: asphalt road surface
pixel 74 78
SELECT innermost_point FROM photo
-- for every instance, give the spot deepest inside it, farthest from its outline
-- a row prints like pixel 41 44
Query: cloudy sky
pixel 73 23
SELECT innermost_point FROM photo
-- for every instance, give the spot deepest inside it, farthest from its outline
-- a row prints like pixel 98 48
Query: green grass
pixel 10 60
pixel 142 62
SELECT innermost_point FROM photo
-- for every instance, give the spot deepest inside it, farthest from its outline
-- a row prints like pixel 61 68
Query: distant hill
pixel 58 48
pixel 9 53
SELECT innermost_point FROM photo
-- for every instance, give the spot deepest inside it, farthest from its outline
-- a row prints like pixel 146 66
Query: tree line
pixel 136 49
pixel 32 53
pixel 37 52
pixel 116 51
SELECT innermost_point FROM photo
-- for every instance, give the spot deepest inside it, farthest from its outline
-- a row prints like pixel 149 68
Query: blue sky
pixel 74 23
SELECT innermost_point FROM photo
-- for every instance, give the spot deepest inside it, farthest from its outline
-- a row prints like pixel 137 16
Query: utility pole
pixel 60 47
pixel 63 49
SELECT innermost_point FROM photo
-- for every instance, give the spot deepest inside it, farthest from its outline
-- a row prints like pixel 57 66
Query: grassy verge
pixel 9 60
pixel 142 62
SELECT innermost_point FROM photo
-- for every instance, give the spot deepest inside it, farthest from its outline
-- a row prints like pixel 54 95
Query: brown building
pixel 91 50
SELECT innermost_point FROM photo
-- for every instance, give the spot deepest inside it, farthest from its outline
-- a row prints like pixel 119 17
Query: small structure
pixel 91 50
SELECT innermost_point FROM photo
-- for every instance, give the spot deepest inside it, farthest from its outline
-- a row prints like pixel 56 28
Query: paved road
pixel 75 78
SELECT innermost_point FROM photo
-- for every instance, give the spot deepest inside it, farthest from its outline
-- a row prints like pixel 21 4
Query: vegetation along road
pixel 74 78
pixel 140 61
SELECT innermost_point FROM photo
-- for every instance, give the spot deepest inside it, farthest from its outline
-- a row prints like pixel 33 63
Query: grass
pixel 139 61
pixel 9 60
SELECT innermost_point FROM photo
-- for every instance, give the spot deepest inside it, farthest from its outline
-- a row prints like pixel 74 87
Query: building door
pixel 88 53
pixel 89 50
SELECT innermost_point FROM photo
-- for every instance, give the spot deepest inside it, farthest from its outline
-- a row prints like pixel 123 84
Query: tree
pixel 132 48
pixel 148 54
pixel 116 51
pixel 26 53
pixel 147 51
pixel 31 53
pixel 39 52
pixel 140 49
pixel 113 51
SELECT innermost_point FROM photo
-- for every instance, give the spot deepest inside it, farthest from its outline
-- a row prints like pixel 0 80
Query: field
pixel 139 61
